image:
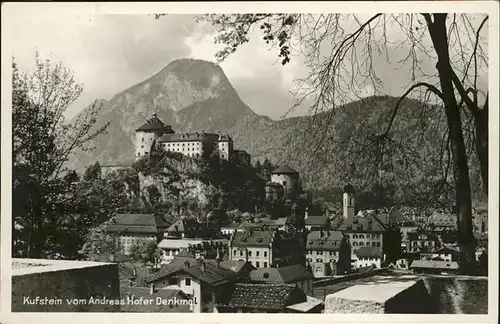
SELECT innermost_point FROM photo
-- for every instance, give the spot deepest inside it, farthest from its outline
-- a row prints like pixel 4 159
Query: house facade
pixel 422 241
pixel 264 248
pixel 367 256
pixel 324 251
pixel 134 229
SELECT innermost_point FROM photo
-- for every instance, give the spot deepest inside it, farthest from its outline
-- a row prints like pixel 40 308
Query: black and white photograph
pixel 268 159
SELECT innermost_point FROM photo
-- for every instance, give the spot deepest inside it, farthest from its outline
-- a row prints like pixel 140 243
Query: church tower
pixel 348 202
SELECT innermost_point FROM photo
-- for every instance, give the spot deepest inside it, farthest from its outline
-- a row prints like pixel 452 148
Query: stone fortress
pixel 155 134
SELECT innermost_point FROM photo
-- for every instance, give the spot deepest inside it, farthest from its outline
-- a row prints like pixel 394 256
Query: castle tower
pixel 348 201
pixel 225 146
pixel 148 134
pixel 289 179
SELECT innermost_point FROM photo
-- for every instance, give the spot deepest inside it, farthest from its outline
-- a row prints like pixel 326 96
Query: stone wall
pixel 430 294
pixel 74 282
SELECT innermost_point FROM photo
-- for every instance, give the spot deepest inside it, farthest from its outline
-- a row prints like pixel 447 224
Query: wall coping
pixel 25 266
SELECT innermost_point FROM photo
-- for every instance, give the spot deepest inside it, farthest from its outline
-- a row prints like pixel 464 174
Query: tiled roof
pixel 154 124
pixel 265 296
pixel 289 274
pixel 185 225
pixel 194 137
pixel 253 238
pixel 431 264
pixel 284 169
pixel 136 223
pixel 329 241
pixel 212 274
pixel 369 252
pixel 315 220
pixel 442 219
pixel 164 293
pixel 369 223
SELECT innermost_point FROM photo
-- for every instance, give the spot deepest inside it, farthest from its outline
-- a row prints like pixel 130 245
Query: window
pixel 187 281
pixel 249 253
pixel 142 139
pixel 257 264
pixel 361 243
pixel 361 236
pixel 241 253
pixel 355 236
pixel 139 154
pixel 265 254
pixel 265 264
pixel 257 253
pixel 319 260
pixel 319 252
pixel 146 153
pixel 354 244
pixel 284 183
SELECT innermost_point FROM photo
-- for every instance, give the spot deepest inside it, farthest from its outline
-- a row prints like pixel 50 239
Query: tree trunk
pixel 481 123
pixel 466 239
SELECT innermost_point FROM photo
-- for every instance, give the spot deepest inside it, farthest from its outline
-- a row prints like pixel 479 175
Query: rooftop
pixel 319 220
pixel 265 296
pixel 136 223
pixel 195 137
pixel 431 264
pixel 253 238
pixel 284 169
pixel 154 124
pixel 289 274
pixel 368 223
pixel 213 274
pixel 329 241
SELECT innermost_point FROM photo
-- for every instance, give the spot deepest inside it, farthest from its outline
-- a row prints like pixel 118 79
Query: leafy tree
pixel 453 41
pixel 93 172
pixel 258 167
pixel 44 221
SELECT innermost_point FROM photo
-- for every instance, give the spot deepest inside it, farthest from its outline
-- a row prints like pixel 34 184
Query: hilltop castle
pixel 155 134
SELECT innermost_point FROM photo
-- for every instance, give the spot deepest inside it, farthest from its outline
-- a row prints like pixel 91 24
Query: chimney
pixel 151 288
pixel 155 115
pixel 306 213
pixel 202 266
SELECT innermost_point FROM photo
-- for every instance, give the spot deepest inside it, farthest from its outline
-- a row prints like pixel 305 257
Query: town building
pixel 367 256
pixel 422 241
pixel 443 224
pixel 295 274
pixel 269 298
pixel 134 229
pixel 155 134
pixel 324 251
pixel 434 267
pixel 445 253
pixel 314 223
pixel 207 283
pixel 196 247
pixel 189 227
pixel 265 248
pixel 405 228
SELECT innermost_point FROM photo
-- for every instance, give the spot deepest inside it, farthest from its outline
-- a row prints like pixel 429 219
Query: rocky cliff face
pixel 187 94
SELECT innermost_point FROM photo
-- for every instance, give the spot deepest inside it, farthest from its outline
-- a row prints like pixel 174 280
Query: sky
pixel 109 53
